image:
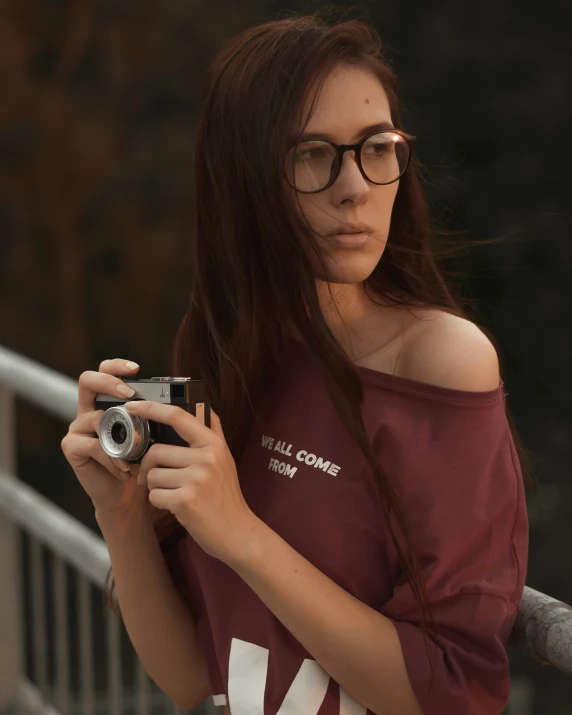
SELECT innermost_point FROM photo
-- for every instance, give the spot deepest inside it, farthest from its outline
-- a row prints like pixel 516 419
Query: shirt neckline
pixel 408 385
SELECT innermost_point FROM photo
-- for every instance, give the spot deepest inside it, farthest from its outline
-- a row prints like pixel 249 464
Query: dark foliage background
pixel 97 115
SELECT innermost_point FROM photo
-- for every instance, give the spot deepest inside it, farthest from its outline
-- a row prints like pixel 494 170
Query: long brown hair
pixel 252 281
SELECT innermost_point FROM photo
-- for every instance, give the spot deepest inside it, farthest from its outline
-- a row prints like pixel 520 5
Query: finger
pixel 163 498
pixel 87 426
pixel 81 448
pixel 160 478
pixel 186 425
pixel 91 382
pixel 166 455
pixel 86 423
pixel 216 425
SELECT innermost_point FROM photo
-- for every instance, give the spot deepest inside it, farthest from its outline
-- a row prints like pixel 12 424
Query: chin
pixel 348 270
pixel 349 266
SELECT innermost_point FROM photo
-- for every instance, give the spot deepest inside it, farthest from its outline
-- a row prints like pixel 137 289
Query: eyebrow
pixel 362 133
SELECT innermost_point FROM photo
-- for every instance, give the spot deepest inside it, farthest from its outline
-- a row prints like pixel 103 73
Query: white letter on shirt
pixel 247 672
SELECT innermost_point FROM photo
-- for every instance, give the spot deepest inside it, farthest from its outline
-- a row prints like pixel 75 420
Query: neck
pixel 360 325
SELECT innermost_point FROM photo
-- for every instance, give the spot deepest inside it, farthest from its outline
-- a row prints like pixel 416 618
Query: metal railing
pixel 58 546
pixel 543 628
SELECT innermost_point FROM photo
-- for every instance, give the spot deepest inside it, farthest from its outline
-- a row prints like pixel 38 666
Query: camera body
pixel 126 436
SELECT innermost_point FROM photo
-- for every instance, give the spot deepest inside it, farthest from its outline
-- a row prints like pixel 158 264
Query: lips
pixel 352 228
pixel 350 240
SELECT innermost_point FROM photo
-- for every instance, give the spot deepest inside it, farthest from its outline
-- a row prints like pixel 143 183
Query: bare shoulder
pixel 452 352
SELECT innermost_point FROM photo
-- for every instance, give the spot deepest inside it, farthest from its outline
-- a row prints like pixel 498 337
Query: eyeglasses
pixel 382 158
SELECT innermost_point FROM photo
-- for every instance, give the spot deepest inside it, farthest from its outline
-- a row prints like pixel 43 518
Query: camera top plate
pixel 168 390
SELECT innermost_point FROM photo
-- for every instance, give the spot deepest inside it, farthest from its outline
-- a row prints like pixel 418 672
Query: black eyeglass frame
pixel 342 148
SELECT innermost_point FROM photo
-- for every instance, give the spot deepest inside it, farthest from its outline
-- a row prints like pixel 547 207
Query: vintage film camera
pixel 126 436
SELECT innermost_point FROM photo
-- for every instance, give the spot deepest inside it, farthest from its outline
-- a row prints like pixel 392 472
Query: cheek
pixel 391 193
pixel 314 212
pixel 386 201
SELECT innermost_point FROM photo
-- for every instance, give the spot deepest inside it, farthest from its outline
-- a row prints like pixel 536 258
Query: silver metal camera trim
pixel 137 430
pixel 157 391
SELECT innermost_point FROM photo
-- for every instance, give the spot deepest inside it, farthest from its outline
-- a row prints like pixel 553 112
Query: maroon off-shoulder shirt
pixel 452 461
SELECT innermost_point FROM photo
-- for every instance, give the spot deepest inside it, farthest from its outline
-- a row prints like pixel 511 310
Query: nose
pixel 350 182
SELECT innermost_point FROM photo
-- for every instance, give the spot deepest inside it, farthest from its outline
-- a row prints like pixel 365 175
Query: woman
pixel 350 535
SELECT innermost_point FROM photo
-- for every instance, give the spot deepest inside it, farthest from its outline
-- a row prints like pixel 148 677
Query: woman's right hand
pixel 102 477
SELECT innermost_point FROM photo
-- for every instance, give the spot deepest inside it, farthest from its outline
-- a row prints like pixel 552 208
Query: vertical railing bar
pixel 521 696
pixel 61 631
pixel 142 685
pixel 38 584
pixel 86 646
pixel 12 656
pixel 114 664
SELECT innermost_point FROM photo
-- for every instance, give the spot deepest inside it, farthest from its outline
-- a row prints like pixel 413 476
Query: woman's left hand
pixel 197 484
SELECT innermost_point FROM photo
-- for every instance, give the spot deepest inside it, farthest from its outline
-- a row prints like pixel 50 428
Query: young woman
pixel 350 535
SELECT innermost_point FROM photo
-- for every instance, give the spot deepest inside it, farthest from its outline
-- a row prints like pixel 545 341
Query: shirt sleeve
pixel 460 486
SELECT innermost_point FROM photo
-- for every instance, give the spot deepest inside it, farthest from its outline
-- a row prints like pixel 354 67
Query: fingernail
pixel 123 467
pixel 131 365
pixel 125 391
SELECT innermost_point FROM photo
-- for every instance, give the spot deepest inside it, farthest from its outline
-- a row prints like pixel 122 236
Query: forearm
pixel 159 623
pixel 355 644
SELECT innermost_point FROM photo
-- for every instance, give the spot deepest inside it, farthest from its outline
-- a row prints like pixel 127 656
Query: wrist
pixel 125 514
pixel 247 546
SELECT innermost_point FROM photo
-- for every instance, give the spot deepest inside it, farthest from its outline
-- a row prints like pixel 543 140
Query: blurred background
pixel 98 103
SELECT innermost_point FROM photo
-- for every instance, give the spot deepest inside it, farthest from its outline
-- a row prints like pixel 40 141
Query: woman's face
pixel 350 101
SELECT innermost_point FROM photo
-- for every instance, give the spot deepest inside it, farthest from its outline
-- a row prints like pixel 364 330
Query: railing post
pixel 10 611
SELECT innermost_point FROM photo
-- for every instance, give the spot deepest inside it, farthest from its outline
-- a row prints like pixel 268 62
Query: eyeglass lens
pixel 312 164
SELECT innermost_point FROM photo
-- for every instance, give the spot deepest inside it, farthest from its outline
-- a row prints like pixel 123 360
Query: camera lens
pixel 123 435
pixel 119 433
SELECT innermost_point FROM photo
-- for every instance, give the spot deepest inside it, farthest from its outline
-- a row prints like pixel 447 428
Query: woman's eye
pixel 308 154
pixel 380 148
